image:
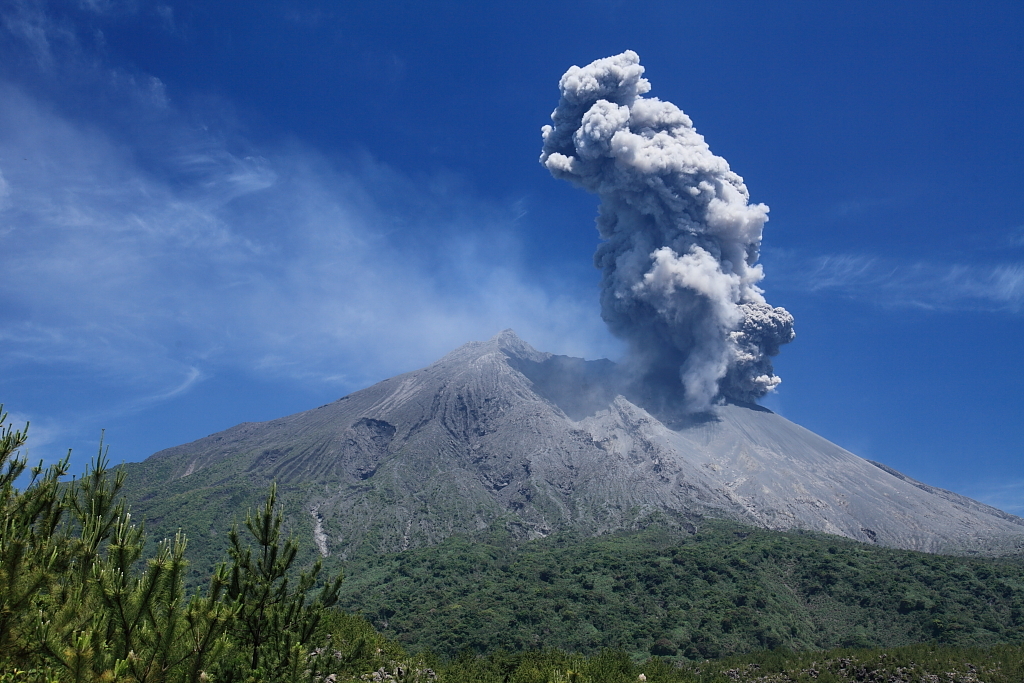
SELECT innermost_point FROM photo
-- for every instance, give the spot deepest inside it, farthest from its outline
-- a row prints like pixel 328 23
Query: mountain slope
pixel 724 590
pixel 498 432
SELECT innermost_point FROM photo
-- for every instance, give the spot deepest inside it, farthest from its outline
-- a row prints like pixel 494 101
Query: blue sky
pixel 219 212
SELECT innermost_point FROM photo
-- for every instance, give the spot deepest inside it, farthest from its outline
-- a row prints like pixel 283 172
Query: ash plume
pixel 681 240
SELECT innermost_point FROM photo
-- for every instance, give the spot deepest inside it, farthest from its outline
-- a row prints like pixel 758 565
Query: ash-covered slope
pixel 497 431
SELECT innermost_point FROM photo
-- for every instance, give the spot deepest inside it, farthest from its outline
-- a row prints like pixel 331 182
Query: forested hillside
pixel 721 591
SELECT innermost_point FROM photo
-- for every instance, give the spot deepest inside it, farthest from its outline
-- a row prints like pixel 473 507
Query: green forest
pixel 721 591
pixel 81 599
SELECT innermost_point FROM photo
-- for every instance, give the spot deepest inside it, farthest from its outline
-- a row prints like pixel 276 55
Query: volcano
pixel 497 432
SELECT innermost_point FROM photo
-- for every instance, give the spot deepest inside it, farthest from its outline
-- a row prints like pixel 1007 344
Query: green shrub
pixel 79 603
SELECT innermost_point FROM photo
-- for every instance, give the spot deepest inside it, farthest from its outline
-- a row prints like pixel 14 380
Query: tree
pixel 79 603
pixel 72 604
pixel 274 621
pixel 30 551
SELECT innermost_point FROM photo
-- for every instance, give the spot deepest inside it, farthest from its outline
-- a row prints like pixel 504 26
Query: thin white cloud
pixel 26 22
pixel 45 436
pixel 276 262
pixel 1002 285
pixel 893 283
pixel 4 193
pixel 192 376
pixel 109 6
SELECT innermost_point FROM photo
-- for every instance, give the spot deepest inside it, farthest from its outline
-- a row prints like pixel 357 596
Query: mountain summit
pixel 498 432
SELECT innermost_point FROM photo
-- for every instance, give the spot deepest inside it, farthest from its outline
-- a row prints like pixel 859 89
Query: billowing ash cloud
pixel 679 259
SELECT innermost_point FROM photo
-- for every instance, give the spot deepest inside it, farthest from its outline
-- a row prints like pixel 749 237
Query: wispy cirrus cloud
pixel 279 263
pixel 891 282
pixel 155 246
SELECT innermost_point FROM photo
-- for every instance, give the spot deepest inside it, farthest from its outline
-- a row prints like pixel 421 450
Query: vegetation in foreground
pixel 77 603
pixel 724 590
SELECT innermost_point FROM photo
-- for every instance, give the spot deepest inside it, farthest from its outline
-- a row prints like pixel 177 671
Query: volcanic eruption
pixel 681 238
pixel 497 434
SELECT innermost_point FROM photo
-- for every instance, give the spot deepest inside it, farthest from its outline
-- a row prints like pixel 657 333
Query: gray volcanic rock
pixel 498 432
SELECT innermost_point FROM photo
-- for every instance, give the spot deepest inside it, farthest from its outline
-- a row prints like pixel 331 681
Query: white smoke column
pixel 679 259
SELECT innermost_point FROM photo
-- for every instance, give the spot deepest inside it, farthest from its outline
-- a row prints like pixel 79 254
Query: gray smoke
pixel 681 240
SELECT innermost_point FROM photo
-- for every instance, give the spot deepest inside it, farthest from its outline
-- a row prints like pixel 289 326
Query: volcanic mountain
pixel 499 433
